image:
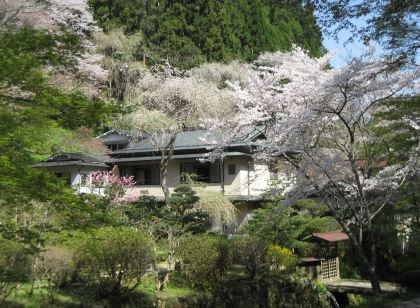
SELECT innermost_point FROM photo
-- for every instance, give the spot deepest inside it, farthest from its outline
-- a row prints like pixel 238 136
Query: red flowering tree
pixel 116 189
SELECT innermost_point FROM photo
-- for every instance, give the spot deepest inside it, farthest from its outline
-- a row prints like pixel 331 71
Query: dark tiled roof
pixel 197 139
pixel 78 158
pixel 115 136
pixel 84 157
pixel 116 131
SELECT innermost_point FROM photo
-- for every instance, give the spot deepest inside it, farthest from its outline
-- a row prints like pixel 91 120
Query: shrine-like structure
pixel 324 264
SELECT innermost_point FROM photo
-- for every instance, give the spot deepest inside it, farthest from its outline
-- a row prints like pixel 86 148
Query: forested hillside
pixel 188 33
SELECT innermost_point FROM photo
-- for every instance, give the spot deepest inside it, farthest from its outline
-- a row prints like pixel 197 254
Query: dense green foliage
pixel 391 23
pixel 391 123
pixel 25 54
pixel 205 259
pixel 181 213
pixel 258 258
pixel 31 109
pixel 250 253
pixel 289 226
pixel 183 204
pixel 115 259
pixel 398 229
pixel 182 199
pixel 14 266
pixel 188 33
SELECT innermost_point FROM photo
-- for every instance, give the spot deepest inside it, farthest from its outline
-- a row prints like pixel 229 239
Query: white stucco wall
pixel 251 179
pixel 75 173
pixel 259 179
pixel 232 182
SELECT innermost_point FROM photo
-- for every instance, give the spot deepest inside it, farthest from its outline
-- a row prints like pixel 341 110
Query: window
pixel 231 169
pixel 144 175
pixel 117 146
pixel 205 172
pixel 84 180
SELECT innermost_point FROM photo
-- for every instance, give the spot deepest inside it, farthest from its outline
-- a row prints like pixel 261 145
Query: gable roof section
pixel 332 236
pixel 195 139
pixel 116 131
pixel 68 159
pixel 194 143
pixel 117 136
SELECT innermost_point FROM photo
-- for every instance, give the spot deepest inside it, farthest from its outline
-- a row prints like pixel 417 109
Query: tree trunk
pixel 166 155
pixel 369 265
pixel 374 280
pixel 164 176
pixel 356 241
pixel 373 276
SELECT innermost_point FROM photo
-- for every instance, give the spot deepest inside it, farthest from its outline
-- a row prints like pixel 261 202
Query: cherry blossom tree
pixel 167 102
pixel 75 14
pixel 324 117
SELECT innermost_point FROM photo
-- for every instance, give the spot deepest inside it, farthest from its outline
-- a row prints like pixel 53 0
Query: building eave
pixel 204 148
pixel 68 163
pixel 174 157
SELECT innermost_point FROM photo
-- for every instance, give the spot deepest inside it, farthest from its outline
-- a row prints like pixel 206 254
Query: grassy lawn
pixel 21 298
pixel 144 296
pixel 177 287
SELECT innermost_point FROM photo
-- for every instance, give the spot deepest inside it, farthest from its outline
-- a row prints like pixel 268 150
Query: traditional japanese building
pixel 235 173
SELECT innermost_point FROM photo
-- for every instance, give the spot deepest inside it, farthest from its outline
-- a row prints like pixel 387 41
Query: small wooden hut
pixel 324 264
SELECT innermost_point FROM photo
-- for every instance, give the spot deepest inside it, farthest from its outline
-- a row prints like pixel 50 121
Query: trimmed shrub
pixel 115 259
pixel 205 259
pixel 250 252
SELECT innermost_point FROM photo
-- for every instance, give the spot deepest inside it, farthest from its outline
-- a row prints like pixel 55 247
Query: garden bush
pixel 269 291
pixel 250 252
pixel 281 259
pixel 15 266
pixel 55 266
pixel 205 259
pixel 115 259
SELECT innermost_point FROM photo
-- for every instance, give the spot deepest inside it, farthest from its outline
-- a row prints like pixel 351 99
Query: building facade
pixel 236 174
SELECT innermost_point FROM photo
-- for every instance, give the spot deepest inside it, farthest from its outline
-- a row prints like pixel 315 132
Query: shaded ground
pixel 413 303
